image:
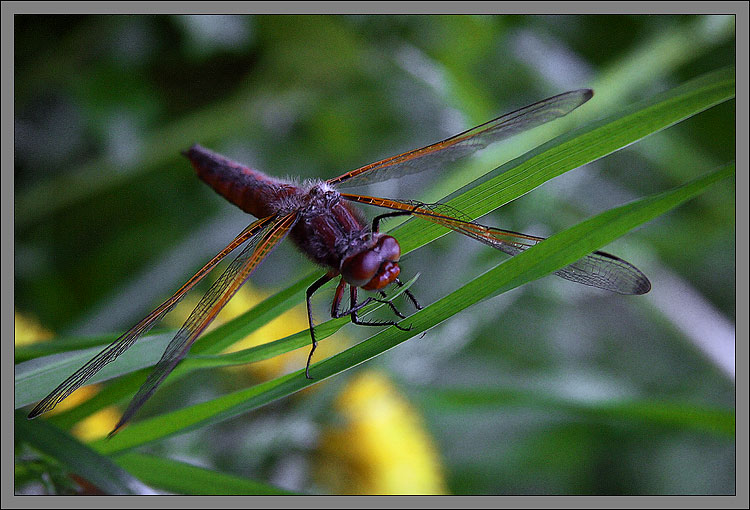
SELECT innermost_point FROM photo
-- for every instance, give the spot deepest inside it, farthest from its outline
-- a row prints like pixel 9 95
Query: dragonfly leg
pixel 355 307
pixel 390 304
pixel 336 313
pixel 352 312
pixel 409 295
pixel 376 220
pixel 310 291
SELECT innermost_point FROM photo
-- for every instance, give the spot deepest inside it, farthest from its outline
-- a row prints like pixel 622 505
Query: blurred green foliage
pixel 110 219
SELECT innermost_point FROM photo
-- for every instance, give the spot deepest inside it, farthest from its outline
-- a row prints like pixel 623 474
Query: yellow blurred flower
pixel 94 426
pixel 381 447
pixel 27 330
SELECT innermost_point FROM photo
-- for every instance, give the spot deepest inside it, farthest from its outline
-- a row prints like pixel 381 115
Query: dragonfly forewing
pixel 436 156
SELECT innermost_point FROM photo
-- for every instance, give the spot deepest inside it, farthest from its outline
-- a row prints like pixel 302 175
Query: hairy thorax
pixel 328 229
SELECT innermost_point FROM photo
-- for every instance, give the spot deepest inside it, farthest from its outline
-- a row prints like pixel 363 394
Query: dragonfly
pixel 325 225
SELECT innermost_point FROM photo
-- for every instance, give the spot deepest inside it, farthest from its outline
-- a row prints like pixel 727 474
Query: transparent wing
pixel 124 342
pixel 209 306
pixel 435 156
pixel 598 269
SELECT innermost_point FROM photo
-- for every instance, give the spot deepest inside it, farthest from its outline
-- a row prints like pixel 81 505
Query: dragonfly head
pixel 374 267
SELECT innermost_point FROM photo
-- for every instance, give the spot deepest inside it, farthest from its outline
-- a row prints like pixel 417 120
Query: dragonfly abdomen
pixel 252 191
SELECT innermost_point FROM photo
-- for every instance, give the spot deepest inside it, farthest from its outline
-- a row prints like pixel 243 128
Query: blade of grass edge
pixel 115 393
pixel 30 378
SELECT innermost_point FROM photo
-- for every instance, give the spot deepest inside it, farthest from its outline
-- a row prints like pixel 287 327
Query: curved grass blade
pixel 182 478
pixel 35 377
pixel 208 308
pixel 77 457
pixel 203 354
pixel 249 236
pixel 540 260
pixel 211 343
pixel 61 344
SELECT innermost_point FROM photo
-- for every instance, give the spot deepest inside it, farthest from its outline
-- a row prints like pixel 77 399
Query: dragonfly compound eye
pixel 361 268
pixel 375 267
pixel 389 248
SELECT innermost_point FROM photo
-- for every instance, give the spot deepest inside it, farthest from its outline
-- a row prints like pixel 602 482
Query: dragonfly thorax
pixel 341 239
pixel 318 199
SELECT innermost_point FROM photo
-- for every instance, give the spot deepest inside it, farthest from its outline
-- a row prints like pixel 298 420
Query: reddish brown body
pixel 327 228
pixel 250 190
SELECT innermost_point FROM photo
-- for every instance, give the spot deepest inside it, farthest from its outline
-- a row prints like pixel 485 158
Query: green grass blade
pixel 45 374
pixel 35 378
pixel 281 346
pixel 544 258
pixel 23 353
pixel 267 310
pixel 77 457
pixel 120 391
pixel 655 58
pixel 673 415
pixel 128 385
pixel 182 478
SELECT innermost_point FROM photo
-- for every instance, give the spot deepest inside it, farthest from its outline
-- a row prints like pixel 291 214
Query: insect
pixel 325 226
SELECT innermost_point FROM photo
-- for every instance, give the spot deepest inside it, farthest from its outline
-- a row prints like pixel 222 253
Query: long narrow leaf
pixel 34 378
pixel 125 388
pixel 183 478
pixel 59 345
pixel 77 457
